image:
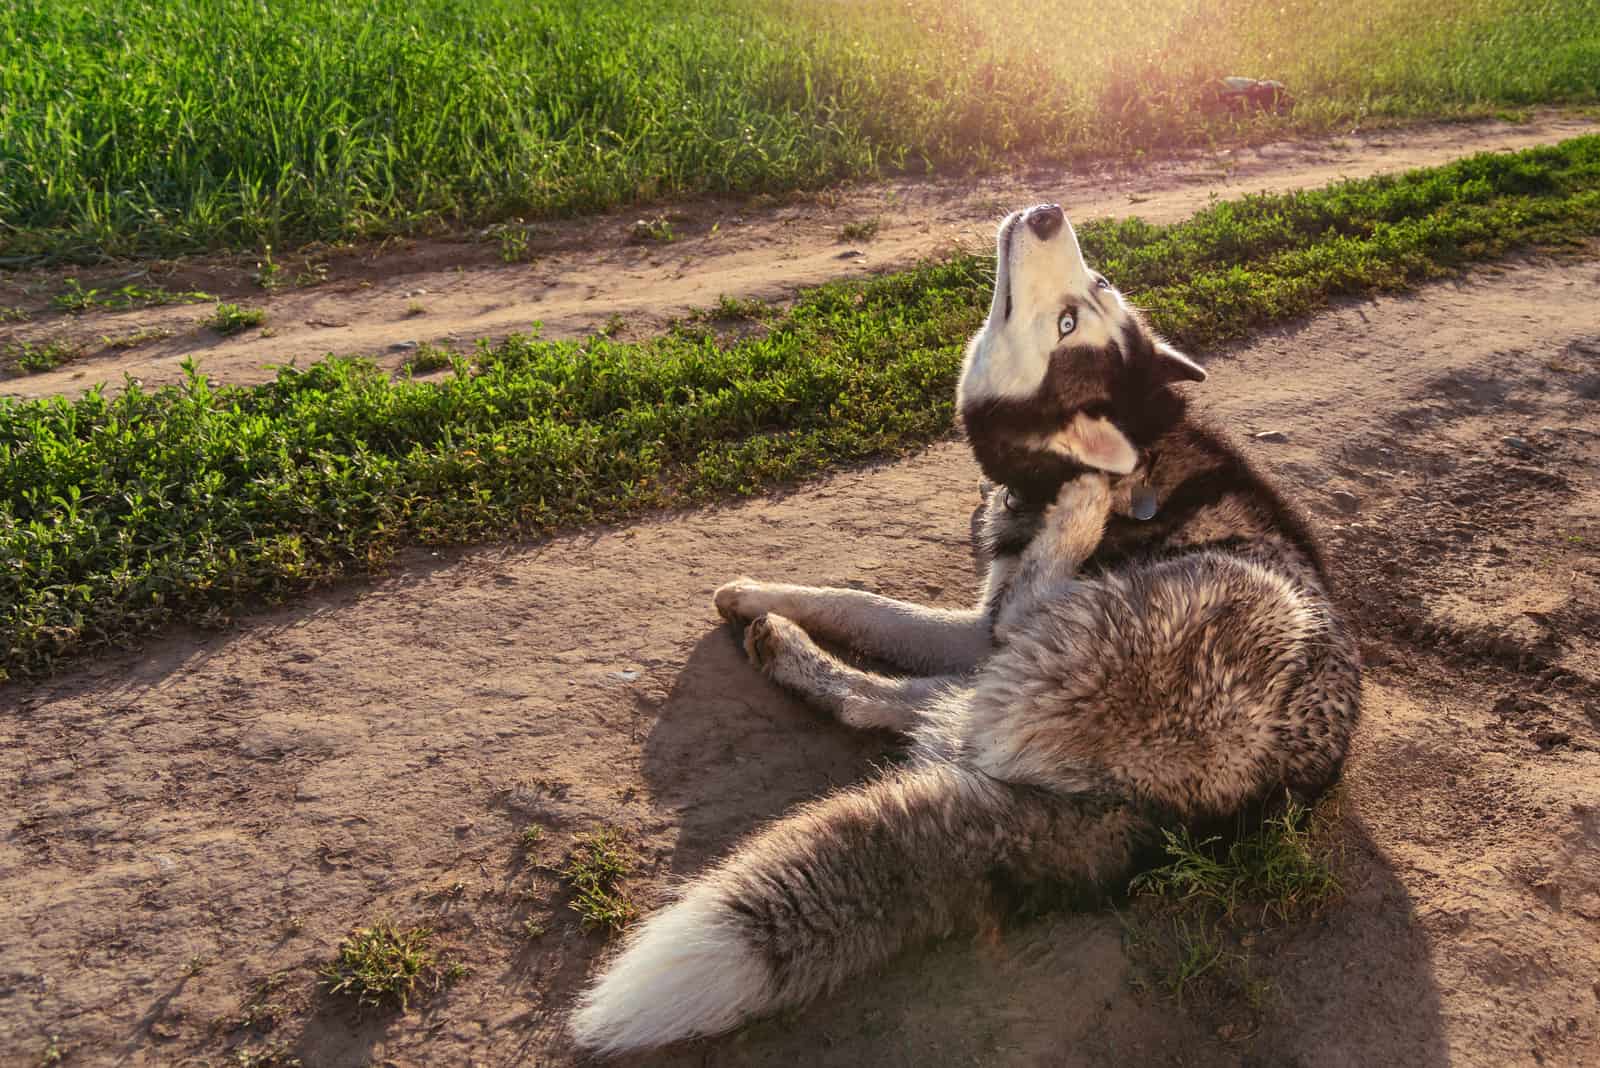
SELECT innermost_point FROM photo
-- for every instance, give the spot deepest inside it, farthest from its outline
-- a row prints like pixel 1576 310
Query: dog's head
pixel 1063 364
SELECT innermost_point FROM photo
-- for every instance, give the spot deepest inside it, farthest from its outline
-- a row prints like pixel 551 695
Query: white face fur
pixel 1039 275
pixel 1046 297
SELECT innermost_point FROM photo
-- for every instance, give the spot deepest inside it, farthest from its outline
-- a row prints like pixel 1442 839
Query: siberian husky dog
pixel 1153 646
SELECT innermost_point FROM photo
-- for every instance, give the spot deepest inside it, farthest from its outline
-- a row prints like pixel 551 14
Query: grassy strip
pixel 120 514
pixel 136 126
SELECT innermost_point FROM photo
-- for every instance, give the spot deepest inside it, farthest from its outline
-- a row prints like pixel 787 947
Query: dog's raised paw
pixel 767 637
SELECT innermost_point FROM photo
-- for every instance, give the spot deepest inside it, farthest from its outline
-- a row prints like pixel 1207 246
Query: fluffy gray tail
pixel 839 887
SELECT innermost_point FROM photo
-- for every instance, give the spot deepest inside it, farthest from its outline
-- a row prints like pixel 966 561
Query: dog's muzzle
pixel 1045 220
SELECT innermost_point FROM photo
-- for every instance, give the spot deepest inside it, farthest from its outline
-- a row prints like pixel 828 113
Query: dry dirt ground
pixel 184 823
pixel 582 273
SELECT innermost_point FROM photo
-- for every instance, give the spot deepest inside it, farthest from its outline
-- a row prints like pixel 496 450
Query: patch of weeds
pixel 260 1011
pixel 531 836
pixel 657 230
pixel 865 230
pixel 195 965
pixel 1276 867
pixel 428 359
pixel 533 929
pixel 383 967
pixel 294 924
pixel 12 314
pixel 598 863
pixel 1186 930
pixel 232 318
pixel 137 337
pixel 33 358
pixel 75 298
pixel 415 308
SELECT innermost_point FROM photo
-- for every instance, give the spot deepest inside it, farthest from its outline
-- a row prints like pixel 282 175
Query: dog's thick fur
pixel 1117 675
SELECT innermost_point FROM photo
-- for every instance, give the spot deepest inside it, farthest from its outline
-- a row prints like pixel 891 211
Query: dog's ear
pixel 1173 366
pixel 1097 443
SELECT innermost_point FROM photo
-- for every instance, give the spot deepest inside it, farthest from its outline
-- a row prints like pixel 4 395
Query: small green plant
pixel 12 314
pixel 382 966
pixel 865 230
pixel 415 308
pixel 36 357
pixel 269 273
pixel 54 1053
pixel 531 836
pixel 598 863
pixel 657 230
pixel 195 965
pixel 232 318
pixel 513 243
pixel 532 929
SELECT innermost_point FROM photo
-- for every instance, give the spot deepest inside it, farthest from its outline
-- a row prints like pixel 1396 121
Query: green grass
pixel 598 863
pixel 121 513
pixel 1191 925
pixel 1276 868
pixel 383 967
pixel 146 126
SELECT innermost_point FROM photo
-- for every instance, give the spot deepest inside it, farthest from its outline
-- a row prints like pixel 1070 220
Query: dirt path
pixel 184 823
pixel 584 272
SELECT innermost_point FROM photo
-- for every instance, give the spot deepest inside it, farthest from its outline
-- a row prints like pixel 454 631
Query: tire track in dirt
pixel 584 272
pixel 185 821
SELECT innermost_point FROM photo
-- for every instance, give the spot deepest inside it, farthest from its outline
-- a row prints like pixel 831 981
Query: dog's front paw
pixel 769 637
pixel 1088 494
pixel 736 601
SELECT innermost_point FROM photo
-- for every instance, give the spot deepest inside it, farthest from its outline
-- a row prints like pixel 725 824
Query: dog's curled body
pixel 1118 675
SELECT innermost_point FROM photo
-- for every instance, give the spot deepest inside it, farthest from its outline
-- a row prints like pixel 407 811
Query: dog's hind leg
pixel 786 654
pixel 927 641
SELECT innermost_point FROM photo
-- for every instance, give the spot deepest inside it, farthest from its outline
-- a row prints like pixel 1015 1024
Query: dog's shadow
pixel 729 751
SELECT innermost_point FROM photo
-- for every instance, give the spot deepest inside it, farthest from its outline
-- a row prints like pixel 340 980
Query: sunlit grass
pixel 162 125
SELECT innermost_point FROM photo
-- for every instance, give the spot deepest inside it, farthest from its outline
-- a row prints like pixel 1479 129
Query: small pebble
pixel 1271 437
pixel 850 254
pixel 1345 501
pixel 1511 441
pixel 402 346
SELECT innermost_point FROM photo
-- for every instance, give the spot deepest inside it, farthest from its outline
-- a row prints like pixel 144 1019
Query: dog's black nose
pixel 1045 220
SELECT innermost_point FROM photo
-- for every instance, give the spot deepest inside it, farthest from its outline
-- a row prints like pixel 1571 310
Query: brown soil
pixel 184 823
pixel 585 272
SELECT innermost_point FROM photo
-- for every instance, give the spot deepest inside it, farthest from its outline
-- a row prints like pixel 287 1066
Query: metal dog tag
pixel 1144 502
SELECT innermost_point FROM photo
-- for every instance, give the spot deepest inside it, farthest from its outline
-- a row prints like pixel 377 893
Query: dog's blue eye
pixel 1067 324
